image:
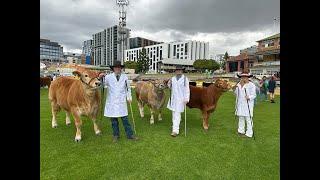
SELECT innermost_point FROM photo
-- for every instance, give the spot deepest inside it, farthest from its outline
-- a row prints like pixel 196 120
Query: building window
pixel 174 50
pixel 178 56
pixel 157 52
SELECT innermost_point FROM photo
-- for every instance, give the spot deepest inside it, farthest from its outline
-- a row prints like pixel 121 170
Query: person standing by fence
pixel 264 89
pixel 271 87
pixel 256 82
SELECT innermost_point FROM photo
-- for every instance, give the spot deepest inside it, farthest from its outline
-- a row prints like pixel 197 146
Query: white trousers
pixel 176 118
pixel 241 128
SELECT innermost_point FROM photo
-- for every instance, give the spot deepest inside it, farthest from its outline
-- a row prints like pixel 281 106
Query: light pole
pixel 122 33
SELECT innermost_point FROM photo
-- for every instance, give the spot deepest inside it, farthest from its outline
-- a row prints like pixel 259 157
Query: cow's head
pixel 88 77
pixel 159 84
pixel 222 84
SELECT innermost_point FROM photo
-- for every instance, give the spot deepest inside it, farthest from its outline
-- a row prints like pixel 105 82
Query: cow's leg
pixel 54 109
pixel 95 126
pixel 78 124
pixel 159 116
pixel 205 120
pixel 140 104
pixel 151 118
pixel 208 117
pixel 68 122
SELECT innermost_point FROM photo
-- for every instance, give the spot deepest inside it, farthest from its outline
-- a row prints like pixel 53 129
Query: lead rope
pixel 134 125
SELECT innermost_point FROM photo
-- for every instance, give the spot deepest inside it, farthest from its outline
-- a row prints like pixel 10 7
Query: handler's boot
pixel 173 134
pixel 115 139
pixel 133 138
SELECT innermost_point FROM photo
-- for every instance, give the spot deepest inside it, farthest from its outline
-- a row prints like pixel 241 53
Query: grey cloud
pixel 206 16
pixel 70 22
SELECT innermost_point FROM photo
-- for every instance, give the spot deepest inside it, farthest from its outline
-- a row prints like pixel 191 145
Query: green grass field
pixel 217 154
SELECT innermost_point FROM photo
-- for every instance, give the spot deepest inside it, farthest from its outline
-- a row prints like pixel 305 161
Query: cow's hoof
pixel 205 129
pixel 54 126
pixel 68 124
pixel 151 122
pixel 98 133
pixel 160 119
pixel 77 139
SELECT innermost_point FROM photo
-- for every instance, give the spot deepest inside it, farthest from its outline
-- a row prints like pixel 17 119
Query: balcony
pixel 270 63
pixel 269 50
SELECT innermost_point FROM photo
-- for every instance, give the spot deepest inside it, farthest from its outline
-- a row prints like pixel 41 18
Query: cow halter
pixel 88 84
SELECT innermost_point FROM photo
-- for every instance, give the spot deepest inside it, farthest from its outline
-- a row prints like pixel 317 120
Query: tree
pixel 225 58
pixel 143 62
pixel 203 64
pixel 213 65
pixel 131 65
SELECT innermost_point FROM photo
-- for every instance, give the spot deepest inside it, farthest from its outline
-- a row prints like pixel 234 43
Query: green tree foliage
pixel 203 64
pixel 131 65
pixel 143 62
pixel 223 64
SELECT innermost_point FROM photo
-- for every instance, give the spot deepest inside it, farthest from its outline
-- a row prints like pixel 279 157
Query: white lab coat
pixel 118 94
pixel 241 101
pixel 180 92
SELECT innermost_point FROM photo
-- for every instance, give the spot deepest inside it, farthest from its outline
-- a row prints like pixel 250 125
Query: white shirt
pixel 241 101
pixel 180 92
pixel 118 94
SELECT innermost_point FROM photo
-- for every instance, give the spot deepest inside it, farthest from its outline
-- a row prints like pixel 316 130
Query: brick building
pixel 243 61
pixel 261 59
pixel 268 56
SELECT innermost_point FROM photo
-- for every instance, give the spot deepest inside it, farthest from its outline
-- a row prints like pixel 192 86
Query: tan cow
pixel 77 96
pixel 152 94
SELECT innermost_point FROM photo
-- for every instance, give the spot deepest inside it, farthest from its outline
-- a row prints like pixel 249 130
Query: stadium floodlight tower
pixel 123 34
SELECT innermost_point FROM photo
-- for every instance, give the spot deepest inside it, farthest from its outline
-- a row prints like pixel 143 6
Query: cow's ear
pixel 76 73
pixel 152 81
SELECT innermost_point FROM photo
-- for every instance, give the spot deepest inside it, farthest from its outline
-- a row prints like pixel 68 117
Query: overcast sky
pixel 228 25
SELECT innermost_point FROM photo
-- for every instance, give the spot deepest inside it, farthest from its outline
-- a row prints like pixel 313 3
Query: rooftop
pixel 271 37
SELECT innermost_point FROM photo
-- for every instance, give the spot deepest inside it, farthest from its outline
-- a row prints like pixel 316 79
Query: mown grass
pixel 217 154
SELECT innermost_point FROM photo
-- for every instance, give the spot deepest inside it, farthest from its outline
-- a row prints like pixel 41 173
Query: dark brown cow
pixel 206 98
pixel 45 81
pixel 77 97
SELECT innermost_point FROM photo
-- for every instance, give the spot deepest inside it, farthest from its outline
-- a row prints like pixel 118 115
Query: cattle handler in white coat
pixel 180 96
pixel 119 92
pixel 245 94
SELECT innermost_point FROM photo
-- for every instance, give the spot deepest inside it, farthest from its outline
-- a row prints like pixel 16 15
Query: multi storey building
pixel 268 56
pixel 106 47
pixel 166 56
pixel 50 51
pixel 137 42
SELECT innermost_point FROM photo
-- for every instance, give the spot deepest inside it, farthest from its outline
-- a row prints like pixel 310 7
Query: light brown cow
pixel 77 96
pixel 206 98
pixel 152 94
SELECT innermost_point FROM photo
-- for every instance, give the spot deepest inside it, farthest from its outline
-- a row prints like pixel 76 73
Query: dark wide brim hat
pixel 245 75
pixel 117 64
pixel 179 67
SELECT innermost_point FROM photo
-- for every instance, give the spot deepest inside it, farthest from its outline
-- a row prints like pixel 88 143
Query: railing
pixel 268 48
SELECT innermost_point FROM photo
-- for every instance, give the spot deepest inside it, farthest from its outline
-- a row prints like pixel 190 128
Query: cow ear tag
pixel 76 74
